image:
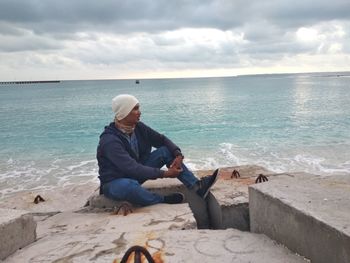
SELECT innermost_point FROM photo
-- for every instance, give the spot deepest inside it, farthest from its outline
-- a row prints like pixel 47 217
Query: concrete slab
pixel 150 218
pixel 164 187
pixel 17 229
pixel 232 194
pixel 69 233
pixel 226 207
pixel 161 186
pixel 164 246
pixel 60 199
pixel 310 215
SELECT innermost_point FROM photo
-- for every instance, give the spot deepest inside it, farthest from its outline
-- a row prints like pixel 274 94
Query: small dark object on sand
pixel 261 178
pixel 138 250
pixel 124 207
pixel 38 199
pixel 235 174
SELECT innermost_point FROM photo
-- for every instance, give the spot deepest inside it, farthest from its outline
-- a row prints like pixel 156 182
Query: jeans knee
pixel 166 154
pixel 132 185
pixel 159 157
pixel 164 150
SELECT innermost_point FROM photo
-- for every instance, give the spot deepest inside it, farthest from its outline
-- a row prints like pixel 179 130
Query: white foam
pixel 20 175
pixel 79 165
pixel 277 160
pixel 201 164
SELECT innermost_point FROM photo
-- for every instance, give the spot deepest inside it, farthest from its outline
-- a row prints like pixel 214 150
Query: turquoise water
pixel 301 122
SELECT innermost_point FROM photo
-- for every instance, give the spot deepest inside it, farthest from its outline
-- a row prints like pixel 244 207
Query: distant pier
pixel 29 82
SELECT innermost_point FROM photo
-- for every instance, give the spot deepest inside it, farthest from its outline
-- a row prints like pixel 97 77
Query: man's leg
pixel 125 189
pixel 162 156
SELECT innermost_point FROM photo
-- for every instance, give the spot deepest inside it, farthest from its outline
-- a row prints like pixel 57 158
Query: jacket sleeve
pixel 115 151
pixel 157 140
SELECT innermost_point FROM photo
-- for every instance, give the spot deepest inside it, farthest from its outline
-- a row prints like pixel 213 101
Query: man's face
pixel 134 116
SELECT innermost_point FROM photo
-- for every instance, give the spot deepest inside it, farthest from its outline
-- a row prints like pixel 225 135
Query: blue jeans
pixel 126 189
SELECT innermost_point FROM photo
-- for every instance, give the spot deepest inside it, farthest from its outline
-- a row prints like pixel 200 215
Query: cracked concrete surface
pixel 68 232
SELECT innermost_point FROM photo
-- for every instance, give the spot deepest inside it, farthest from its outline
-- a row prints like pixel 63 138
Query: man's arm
pixel 115 152
pixel 128 166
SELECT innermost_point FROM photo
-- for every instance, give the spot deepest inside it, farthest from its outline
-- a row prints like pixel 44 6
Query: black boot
pixel 206 183
pixel 175 198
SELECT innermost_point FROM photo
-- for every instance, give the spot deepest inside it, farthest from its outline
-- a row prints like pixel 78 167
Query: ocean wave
pixel 81 164
pixel 20 175
pixel 320 161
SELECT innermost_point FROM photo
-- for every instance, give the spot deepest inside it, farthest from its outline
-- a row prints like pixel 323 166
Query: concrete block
pixel 232 194
pixel 166 186
pixel 100 201
pixel 163 186
pixel 225 207
pixel 310 215
pixel 150 218
pixel 17 229
pixel 203 246
pixel 59 199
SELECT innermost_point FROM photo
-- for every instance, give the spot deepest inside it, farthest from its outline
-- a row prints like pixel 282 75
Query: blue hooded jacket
pixel 116 159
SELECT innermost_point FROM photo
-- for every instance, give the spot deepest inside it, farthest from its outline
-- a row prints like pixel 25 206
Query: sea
pixel 283 122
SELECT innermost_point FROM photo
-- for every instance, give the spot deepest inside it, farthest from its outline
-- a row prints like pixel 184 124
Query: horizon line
pixel 200 77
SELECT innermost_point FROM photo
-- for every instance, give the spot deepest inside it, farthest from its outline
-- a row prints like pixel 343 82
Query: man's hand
pixel 172 172
pixel 177 162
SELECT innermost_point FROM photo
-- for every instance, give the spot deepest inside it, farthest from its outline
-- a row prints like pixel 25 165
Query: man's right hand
pixel 172 172
pixel 177 161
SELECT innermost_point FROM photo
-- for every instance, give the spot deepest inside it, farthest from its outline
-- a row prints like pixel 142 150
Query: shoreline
pixel 76 178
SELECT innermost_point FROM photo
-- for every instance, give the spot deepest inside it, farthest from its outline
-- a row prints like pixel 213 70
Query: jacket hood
pixel 110 129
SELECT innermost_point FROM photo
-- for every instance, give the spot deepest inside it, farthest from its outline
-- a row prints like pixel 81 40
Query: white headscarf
pixel 122 105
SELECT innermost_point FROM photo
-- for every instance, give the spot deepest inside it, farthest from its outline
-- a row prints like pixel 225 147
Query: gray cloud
pixel 50 16
pixel 14 39
pixel 304 13
pixel 130 15
pixel 163 14
pixel 145 33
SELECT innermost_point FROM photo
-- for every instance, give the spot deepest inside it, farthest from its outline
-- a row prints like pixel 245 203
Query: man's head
pixel 124 106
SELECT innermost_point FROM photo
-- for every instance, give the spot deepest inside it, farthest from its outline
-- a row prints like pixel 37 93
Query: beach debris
pixel 38 199
pixel 125 208
pixel 138 251
pixel 235 174
pixel 261 178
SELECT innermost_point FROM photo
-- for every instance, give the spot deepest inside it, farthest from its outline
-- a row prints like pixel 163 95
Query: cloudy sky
pixel 84 39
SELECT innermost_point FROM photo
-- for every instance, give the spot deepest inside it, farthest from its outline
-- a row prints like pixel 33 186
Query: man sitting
pixel 126 161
